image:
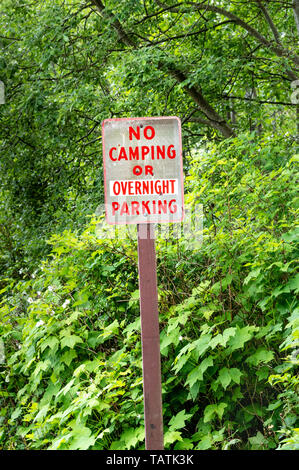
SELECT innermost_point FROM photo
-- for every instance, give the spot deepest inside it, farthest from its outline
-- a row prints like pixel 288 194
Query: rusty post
pixel 150 338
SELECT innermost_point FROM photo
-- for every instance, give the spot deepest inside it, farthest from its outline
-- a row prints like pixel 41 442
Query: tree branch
pixel 243 98
pixel 296 13
pixel 279 50
pixel 124 37
pixel 270 22
pixel 214 119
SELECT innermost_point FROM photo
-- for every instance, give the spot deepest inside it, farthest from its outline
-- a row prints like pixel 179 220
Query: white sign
pixel 143 170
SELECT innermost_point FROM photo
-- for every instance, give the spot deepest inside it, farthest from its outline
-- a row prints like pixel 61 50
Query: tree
pixel 223 68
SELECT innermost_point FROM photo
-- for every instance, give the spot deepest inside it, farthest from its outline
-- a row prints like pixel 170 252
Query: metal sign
pixel 143 170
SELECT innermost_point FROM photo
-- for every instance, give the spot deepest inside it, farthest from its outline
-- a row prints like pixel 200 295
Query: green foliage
pixel 66 67
pixel 70 352
pixel 72 377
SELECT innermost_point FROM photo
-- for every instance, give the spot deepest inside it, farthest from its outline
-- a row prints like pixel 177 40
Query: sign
pixel 143 170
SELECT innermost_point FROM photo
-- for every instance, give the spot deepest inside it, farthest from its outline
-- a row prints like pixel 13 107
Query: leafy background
pixel 70 350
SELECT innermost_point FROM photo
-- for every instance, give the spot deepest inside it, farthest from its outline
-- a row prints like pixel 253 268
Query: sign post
pixel 150 338
pixel 143 180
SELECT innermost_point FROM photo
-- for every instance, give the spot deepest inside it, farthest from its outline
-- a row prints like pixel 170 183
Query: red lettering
pixel 116 188
pixel 138 187
pixel 135 207
pixel 161 151
pixel 131 188
pixel 145 206
pixel 153 151
pixel 122 154
pixel 134 154
pixel 137 170
pixel 162 205
pixel 149 170
pixel 145 186
pixel 110 154
pixel 172 185
pixel 158 187
pixel 165 186
pixel 171 152
pixel 154 206
pixel 152 132
pixel 124 209
pixel 144 151
pixel 174 208
pixel 124 185
pixel 115 207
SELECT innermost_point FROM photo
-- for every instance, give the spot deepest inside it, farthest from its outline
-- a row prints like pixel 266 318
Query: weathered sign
pixel 143 170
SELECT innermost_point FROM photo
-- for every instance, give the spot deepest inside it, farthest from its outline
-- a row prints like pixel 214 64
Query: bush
pixel 228 314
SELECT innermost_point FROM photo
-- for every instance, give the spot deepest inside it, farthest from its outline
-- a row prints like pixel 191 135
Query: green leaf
pixel 202 344
pixel 261 355
pixel 172 436
pixel 178 421
pixel 252 275
pixel 197 373
pixel 82 439
pixel 17 412
pixel 224 377
pixel 185 444
pixel 258 441
pixel 167 339
pixel 51 342
pixel 212 411
pixel 235 374
pixel 205 443
pixel 110 330
pixel 227 334
pixel 293 284
pixel 242 335
pixel 68 356
pixel 130 437
pixel 70 341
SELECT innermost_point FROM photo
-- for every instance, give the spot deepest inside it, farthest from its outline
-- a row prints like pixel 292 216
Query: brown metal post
pixel 150 338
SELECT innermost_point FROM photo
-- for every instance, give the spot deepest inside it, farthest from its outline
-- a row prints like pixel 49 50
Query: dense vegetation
pixel 70 350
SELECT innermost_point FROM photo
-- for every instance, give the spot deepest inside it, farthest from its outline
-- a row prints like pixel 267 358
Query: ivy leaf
pixel 68 356
pixel 227 334
pixel 196 374
pixel 252 275
pixel 202 344
pixel 130 437
pixel 82 439
pixel 215 341
pixel 178 421
pixel 180 362
pixel 70 341
pixel 257 441
pixel 172 436
pixel 42 413
pixel 205 443
pixel 224 377
pixel 51 342
pixel 235 374
pixel 242 335
pixel 167 339
pixel 293 284
pixel 212 411
pixel 185 444
pixel 261 355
